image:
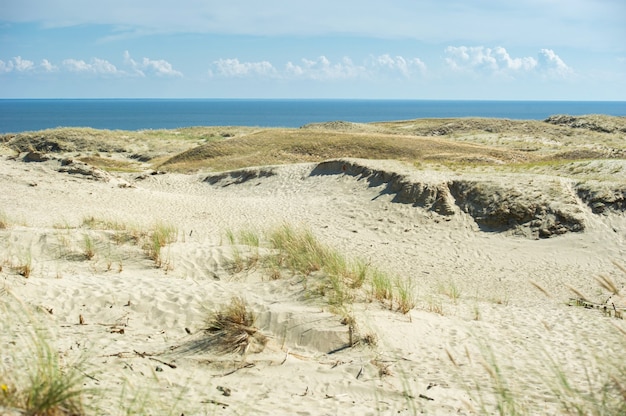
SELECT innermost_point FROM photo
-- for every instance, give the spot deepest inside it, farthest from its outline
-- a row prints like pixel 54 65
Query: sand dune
pixel 490 259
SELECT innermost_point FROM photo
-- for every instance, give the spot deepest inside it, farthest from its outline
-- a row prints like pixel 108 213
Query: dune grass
pixel 284 146
pixel 599 388
pixel 112 165
pixel 152 240
pixel 460 144
pixel 159 236
pixel 335 277
pixel 602 391
pixel 34 378
pixel 382 287
pixel 89 247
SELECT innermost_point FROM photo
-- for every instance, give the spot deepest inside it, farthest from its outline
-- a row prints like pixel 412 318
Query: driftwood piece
pixel 608 309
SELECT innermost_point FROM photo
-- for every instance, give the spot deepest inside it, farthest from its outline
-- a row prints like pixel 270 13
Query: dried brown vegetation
pixel 231 329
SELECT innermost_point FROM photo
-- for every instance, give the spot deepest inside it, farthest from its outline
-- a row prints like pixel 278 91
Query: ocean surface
pixel 18 115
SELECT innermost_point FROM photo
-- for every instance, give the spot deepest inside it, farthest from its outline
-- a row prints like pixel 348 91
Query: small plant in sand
pixel 89 247
pixel 249 238
pixel 451 290
pixel 36 382
pixel 434 305
pixel 329 274
pixel 300 252
pixel 405 296
pixel 122 232
pixel 4 221
pixel 160 235
pixel 24 267
pixel 382 287
pixel 242 261
pixel 231 329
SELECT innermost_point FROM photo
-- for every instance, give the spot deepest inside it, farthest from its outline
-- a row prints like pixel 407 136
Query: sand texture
pixel 503 267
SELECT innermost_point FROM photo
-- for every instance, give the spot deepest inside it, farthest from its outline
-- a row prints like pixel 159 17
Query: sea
pixel 19 115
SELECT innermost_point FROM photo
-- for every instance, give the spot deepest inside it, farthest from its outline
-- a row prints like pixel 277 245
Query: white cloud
pixel 23 64
pixel 481 58
pixel 16 64
pixel 234 68
pixel 95 66
pixel 158 67
pixel 406 67
pixel 513 64
pixel 47 66
pixel 552 65
pixel 498 61
pixel 323 69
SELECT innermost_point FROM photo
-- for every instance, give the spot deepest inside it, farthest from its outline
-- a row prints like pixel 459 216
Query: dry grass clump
pixel 24 266
pixel 231 329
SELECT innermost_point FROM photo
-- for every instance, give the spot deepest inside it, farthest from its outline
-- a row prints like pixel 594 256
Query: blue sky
pixel 419 49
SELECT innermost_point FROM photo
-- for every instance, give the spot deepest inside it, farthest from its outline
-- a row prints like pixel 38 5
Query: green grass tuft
pixel 35 379
pixel 161 235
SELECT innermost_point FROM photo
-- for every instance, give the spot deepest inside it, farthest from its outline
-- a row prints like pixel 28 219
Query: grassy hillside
pixel 465 143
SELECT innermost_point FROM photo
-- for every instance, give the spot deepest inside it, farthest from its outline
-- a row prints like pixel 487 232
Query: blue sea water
pixel 18 115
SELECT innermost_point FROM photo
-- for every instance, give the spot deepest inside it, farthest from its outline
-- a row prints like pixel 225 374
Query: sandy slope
pixel 429 360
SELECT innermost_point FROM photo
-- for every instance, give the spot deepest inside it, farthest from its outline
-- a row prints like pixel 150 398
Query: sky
pixel 396 49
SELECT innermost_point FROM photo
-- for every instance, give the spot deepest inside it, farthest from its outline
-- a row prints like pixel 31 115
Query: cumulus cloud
pixel 47 66
pixel 552 65
pixel 498 61
pixel 399 64
pixel 158 67
pixel 95 66
pixel 322 68
pixel 234 68
pixel 16 64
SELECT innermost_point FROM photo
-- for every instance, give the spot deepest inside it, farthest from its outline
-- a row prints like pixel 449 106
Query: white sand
pixel 498 311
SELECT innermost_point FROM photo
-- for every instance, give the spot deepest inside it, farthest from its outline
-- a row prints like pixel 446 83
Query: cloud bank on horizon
pixel 480 49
